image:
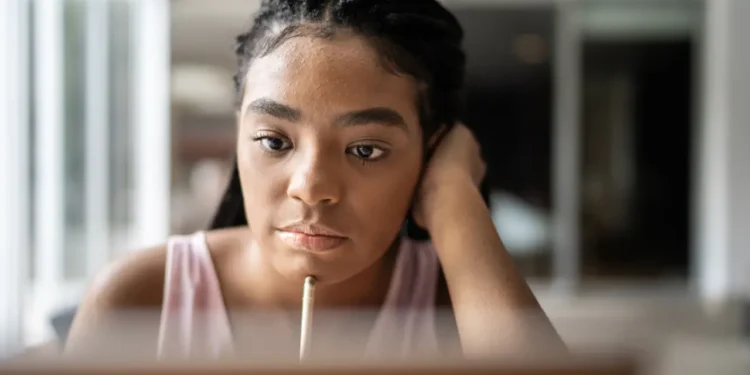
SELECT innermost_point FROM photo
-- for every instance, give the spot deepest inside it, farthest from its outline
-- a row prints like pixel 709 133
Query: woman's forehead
pixel 326 77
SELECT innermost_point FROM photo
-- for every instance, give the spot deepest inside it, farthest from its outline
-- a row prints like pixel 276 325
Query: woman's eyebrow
pixel 379 115
pixel 265 106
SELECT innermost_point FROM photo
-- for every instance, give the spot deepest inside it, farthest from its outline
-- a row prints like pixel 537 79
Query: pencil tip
pixel 310 280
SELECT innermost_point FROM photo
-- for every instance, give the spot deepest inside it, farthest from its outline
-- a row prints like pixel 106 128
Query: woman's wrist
pixel 442 199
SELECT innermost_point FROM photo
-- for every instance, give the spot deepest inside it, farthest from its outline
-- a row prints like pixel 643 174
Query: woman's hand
pixel 455 166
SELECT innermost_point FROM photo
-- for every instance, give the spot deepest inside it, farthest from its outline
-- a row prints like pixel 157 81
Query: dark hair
pixel 421 39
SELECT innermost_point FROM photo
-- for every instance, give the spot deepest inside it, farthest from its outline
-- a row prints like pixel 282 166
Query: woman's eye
pixel 366 152
pixel 274 144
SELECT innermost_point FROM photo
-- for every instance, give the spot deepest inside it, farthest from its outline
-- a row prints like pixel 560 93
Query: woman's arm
pixel 496 312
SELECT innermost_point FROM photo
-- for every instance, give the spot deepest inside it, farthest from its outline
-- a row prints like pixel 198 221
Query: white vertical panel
pixel 152 130
pixel 712 183
pixel 723 182
pixel 14 169
pixel 97 135
pixel 49 152
pixel 566 145
pixel 739 152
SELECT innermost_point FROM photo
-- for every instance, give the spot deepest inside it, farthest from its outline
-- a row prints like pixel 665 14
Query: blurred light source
pixel 207 89
pixel 523 227
pixel 530 49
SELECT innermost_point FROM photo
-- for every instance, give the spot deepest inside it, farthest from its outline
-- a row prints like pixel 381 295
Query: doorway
pixel 635 173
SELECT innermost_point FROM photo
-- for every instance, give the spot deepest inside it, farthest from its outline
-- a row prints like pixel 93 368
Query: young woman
pixel 347 125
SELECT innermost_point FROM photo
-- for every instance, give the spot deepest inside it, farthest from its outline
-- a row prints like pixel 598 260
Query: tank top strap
pixel 194 320
pixel 406 323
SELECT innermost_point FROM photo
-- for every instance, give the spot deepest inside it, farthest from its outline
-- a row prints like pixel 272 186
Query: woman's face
pixel 329 154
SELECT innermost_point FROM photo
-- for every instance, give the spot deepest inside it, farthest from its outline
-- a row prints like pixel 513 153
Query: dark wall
pixel 656 240
pixel 509 100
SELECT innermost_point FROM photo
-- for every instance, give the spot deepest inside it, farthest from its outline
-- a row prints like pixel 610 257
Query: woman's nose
pixel 315 181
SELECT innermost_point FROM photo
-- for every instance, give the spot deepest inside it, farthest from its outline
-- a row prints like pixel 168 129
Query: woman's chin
pixel 296 266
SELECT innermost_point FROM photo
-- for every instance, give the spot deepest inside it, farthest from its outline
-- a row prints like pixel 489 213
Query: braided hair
pixel 418 38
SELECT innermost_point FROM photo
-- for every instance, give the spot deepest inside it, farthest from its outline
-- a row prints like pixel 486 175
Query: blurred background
pixel 616 134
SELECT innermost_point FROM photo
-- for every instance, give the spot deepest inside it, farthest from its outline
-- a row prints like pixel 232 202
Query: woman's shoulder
pixel 132 280
pixel 133 286
pixel 130 285
pixel 137 278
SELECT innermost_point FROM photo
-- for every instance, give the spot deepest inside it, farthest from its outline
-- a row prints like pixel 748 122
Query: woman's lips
pixel 311 242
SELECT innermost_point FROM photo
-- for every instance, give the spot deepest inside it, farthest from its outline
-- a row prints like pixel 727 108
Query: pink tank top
pixel 195 322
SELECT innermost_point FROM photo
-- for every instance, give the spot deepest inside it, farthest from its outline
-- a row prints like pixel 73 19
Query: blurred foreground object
pixel 577 366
